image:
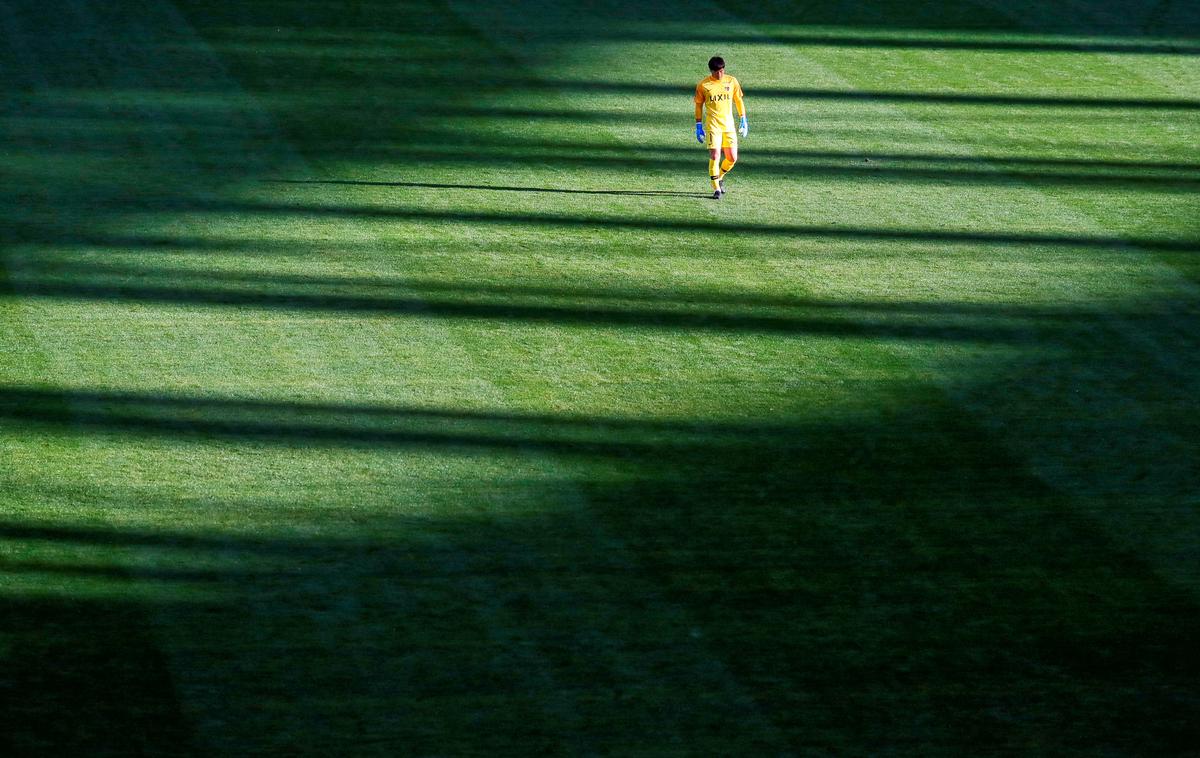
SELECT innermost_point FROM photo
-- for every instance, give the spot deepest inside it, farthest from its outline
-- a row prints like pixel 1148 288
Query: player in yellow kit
pixel 716 97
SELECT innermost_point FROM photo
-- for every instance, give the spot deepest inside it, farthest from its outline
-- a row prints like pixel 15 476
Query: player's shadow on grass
pixel 488 187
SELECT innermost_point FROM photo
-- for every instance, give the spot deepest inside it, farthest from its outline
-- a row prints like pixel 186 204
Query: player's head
pixel 716 63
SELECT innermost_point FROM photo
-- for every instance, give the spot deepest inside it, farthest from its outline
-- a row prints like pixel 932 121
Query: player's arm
pixel 740 104
pixel 699 100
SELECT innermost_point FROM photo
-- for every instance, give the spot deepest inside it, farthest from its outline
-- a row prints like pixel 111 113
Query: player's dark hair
pixel 716 63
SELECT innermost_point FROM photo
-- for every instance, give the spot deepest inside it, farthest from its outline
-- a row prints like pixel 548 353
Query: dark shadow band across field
pixel 1112 40
pixel 915 168
pixel 831 232
pixel 1036 165
pixel 854 169
pixel 494 188
pixel 105 537
pixel 579 307
pixel 879 96
pixel 934 237
pixel 366 425
pixel 133 103
pixel 917 41
pixel 59 267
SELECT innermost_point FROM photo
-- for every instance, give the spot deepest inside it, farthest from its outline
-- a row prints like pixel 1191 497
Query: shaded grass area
pixel 337 416
pixel 89 663
pixel 721 597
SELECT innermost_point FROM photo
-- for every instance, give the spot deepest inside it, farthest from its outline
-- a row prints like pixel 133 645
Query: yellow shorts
pixel 716 139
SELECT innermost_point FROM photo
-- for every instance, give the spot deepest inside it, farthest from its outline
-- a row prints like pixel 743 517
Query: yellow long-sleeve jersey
pixel 715 101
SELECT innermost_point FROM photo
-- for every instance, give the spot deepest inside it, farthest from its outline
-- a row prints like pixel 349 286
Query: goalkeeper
pixel 716 97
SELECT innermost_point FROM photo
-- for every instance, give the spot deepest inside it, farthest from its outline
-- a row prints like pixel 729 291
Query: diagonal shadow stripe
pixel 489 187
pixel 883 96
pixel 67 268
pixel 283 422
pixel 933 236
pixel 950 327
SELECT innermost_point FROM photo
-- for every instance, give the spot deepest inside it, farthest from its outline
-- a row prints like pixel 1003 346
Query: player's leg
pixel 714 174
pixel 729 147
pixel 731 156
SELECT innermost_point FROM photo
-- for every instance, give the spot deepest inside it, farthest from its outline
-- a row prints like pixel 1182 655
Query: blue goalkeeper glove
pixel 700 132
pixel 744 127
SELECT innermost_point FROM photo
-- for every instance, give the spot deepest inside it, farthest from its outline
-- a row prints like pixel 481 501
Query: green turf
pixel 377 379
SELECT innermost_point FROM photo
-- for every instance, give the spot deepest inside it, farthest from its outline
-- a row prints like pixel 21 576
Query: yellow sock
pixel 726 165
pixel 712 173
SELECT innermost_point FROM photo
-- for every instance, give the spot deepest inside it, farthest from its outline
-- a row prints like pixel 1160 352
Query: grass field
pixel 376 378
